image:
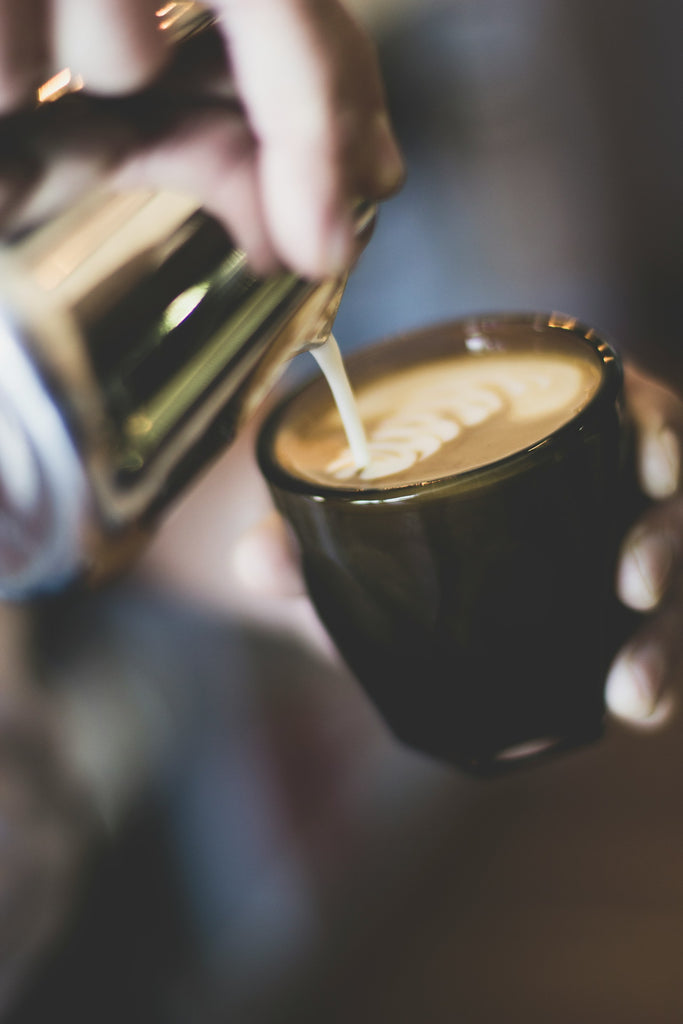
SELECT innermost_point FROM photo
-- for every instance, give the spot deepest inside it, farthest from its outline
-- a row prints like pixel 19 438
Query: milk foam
pixel 448 415
pixel 437 404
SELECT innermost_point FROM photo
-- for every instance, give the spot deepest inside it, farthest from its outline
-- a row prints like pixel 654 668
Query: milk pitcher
pixel 134 342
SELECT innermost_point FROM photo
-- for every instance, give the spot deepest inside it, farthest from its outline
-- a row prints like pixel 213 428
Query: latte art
pixel 440 417
pixel 454 398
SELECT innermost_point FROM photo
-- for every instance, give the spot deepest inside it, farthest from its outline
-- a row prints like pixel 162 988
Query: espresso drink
pixel 466 570
pixel 436 418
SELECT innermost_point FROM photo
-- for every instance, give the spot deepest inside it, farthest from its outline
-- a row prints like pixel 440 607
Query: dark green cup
pixel 477 610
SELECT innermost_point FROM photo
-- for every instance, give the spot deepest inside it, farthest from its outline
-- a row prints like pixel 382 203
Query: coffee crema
pixel 439 418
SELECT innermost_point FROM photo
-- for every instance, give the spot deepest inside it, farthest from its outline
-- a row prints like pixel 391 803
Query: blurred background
pixel 237 836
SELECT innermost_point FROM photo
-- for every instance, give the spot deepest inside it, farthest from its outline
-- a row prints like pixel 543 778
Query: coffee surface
pixel 439 418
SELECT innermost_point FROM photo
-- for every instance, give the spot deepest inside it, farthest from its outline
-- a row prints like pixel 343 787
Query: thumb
pixel 266 560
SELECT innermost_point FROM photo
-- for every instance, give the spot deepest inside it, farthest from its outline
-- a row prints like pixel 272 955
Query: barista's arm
pixel 281 171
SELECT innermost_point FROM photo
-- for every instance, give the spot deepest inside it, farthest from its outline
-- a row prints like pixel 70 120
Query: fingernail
pixel 634 683
pixel 389 169
pixel 643 570
pixel 659 462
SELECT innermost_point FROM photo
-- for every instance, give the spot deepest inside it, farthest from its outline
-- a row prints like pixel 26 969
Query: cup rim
pixel 610 385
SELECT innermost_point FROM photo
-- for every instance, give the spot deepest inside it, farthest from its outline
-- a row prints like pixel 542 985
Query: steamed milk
pixel 329 359
pixel 434 419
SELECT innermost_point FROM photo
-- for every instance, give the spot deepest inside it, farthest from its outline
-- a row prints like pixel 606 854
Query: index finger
pixel 658 414
pixel 310 82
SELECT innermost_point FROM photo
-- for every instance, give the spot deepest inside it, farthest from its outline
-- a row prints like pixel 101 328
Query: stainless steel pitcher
pixel 134 342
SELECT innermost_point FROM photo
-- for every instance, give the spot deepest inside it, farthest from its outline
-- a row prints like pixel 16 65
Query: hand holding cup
pixel 644 676
pixel 645 671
